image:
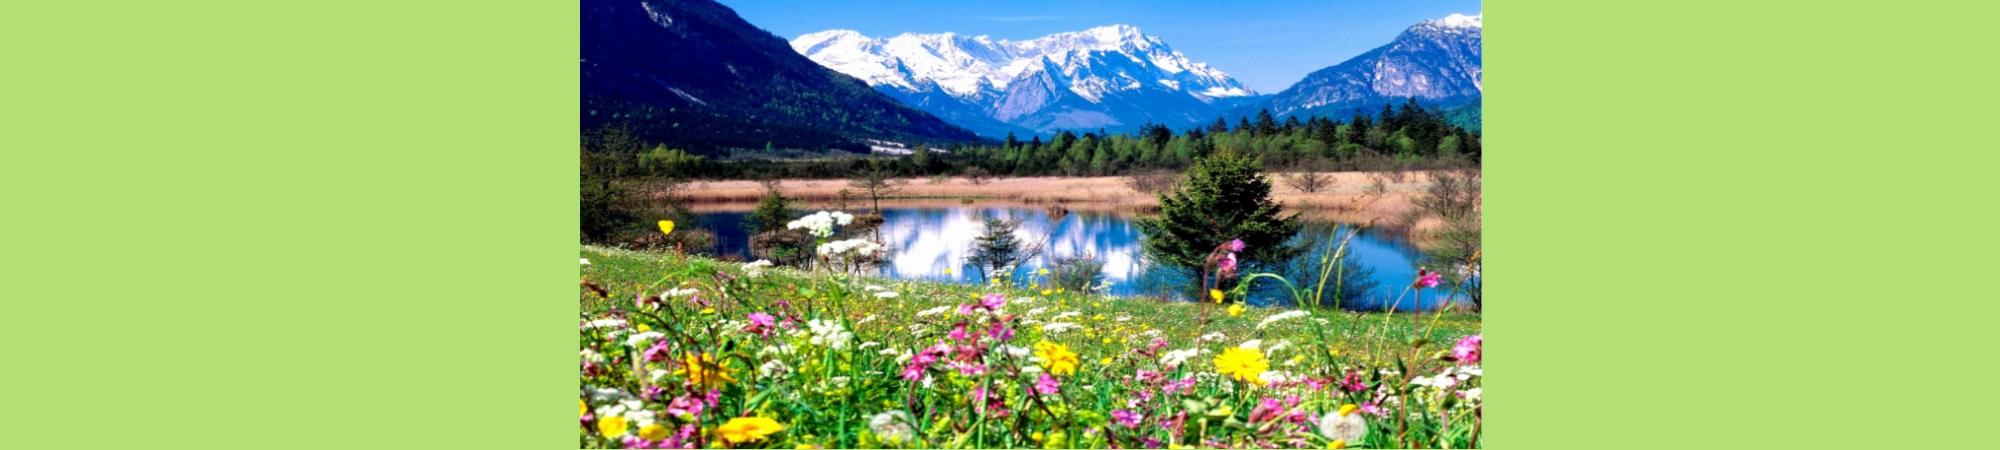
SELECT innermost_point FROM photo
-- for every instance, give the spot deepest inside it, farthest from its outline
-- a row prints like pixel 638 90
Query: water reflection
pixel 933 243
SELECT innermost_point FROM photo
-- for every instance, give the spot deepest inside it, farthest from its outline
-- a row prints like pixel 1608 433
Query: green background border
pixel 237 223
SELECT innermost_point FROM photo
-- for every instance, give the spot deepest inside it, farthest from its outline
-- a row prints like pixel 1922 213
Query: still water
pixel 932 244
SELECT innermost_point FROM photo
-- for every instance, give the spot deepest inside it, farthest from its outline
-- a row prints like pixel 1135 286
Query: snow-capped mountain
pixel 1111 77
pixel 1435 61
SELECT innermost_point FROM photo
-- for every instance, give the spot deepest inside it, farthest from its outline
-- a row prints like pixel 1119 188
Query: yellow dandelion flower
pixel 1104 362
pixel 1235 309
pixel 1242 364
pixel 644 327
pixel 1349 408
pixel 666 227
pixel 704 370
pixel 747 429
pixel 611 427
pixel 1336 445
pixel 1046 292
pixel 1215 294
pixel 582 409
pixel 653 432
pixel 1056 358
pixel 1044 271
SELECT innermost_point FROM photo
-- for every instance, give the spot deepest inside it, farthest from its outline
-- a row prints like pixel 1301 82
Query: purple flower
pixel 1228 263
pixel 761 323
pixel 1427 279
pixel 685 406
pixel 1352 382
pixel 1126 418
pixel 1235 245
pixel 654 392
pixel 658 352
pixel 958 332
pixel 1467 350
pixel 1000 331
pixel 913 372
pixel 1047 385
pixel 993 302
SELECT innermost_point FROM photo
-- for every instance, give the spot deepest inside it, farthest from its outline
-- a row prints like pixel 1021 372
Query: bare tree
pixel 977 176
pixel 1310 178
pixel 877 182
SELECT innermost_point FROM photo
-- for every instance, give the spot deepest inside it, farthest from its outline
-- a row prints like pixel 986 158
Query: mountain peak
pixel 1458 21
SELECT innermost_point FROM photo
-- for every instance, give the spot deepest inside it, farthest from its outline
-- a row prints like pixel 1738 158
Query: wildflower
pixel 1280 317
pixel 1236 310
pixel 820 224
pixel 886 294
pixel 1000 331
pixel 993 302
pixel 666 227
pixel 704 370
pixel 748 429
pixel 1242 364
pixel 653 432
pixel 684 406
pixel 612 426
pixel 1044 271
pixel 586 261
pixel 1427 279
pixel 1344 425
pixel 829 333
pixel 1176 357
pixel 1056 357
pixel 583 408
pixel 761 323
pixel 1215 294
pixel 1234 245
pixel 637 340
pixel 1467 350
pixel 756 269
pixel 1227 264
pixel 892 426
pixel 1047 385
pixel 1126 418
pixel 1352 382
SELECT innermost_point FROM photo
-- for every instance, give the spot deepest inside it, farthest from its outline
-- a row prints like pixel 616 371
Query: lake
pixel 930 243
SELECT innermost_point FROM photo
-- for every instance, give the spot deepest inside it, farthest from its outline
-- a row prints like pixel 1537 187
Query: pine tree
pixel 1223 197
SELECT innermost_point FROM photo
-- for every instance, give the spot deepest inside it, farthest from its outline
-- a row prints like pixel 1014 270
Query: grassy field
pixel 697 352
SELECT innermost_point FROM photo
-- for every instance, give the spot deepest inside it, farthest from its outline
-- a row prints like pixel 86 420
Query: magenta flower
pixel 913 372
pixel 657 352
pixel 1235 245
pixel 1000 331
pixel 654 392
pixel 1467 350
pixel 993 302
pixel 1428 279
pixel 1126 418
pixel 1047 385
pixel 1228 263
pixel 958 332
pixel 761 323
pixel 685 406
pixel 1352 382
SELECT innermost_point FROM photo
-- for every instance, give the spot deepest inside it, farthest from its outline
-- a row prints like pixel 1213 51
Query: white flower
pixel 886 294
pixel 1280 317
pixel 933 311
pixel 873 288
pixel 892 426
pixel 586 261
pixel 1350 427
pixel 1252 344
pixel 640 340
pixel 829 333
pixel 1282 343
pixel 1471 394
pixel 680 292
pixel 1214 336
pixel 1015 351
pixel 821 223
pixel 1275 376
pixel 756 269
pixel 850 248
pixel 1066 315
pixel 773 369
pixel 1176 357
pixel 605 323
pixel 592 356
pixel 1059 327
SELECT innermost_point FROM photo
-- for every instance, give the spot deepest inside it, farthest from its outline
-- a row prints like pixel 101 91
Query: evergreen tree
pixel 1267 124
pixel 1223 197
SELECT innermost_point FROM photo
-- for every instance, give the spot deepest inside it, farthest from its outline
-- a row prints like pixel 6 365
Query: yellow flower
pixel 1056 358
pixel 1235 309
pixel 644 327
pixel 1242 364
pixel 582 409
pixel 1336 445
pixel 1215 294
pixel 709 310
pixel 1044 271
pixel 1104 362
pixel 653 432
pixel 746 429
pixel 1046 292
pixel 1349 408
pixel 611 427
pixel 704 371
pixel 666 227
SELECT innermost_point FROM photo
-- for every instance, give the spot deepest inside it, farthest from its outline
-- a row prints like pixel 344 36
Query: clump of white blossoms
pixel 756 269
pixel 1344 425
pixel 820 224
pixel 850 248
pixel 829 333
pixel 1280 317
pixel 892 426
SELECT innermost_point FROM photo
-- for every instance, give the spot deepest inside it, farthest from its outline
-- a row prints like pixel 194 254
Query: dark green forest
pixel 1398 137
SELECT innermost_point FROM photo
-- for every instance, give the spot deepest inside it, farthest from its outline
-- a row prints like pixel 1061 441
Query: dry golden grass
pixel 1351 199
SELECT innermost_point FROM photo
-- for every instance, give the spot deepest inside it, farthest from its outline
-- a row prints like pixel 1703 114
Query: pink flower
pixel 913 372
pixel 685 406
pixel 958 332
pixel 993 302
pixel 1228 263
pixel 1000 332
pixel 1126 418
pixel 1467 350
pixel 657 352
pixel 1235 245
pixel 761 323
pixel 1047 385
pixel 1352 382
pixel 1427 279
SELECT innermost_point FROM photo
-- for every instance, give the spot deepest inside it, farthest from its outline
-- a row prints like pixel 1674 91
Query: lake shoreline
pixel 1351 199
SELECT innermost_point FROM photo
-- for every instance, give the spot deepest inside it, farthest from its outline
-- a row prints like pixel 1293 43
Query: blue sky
pixel 1266 45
